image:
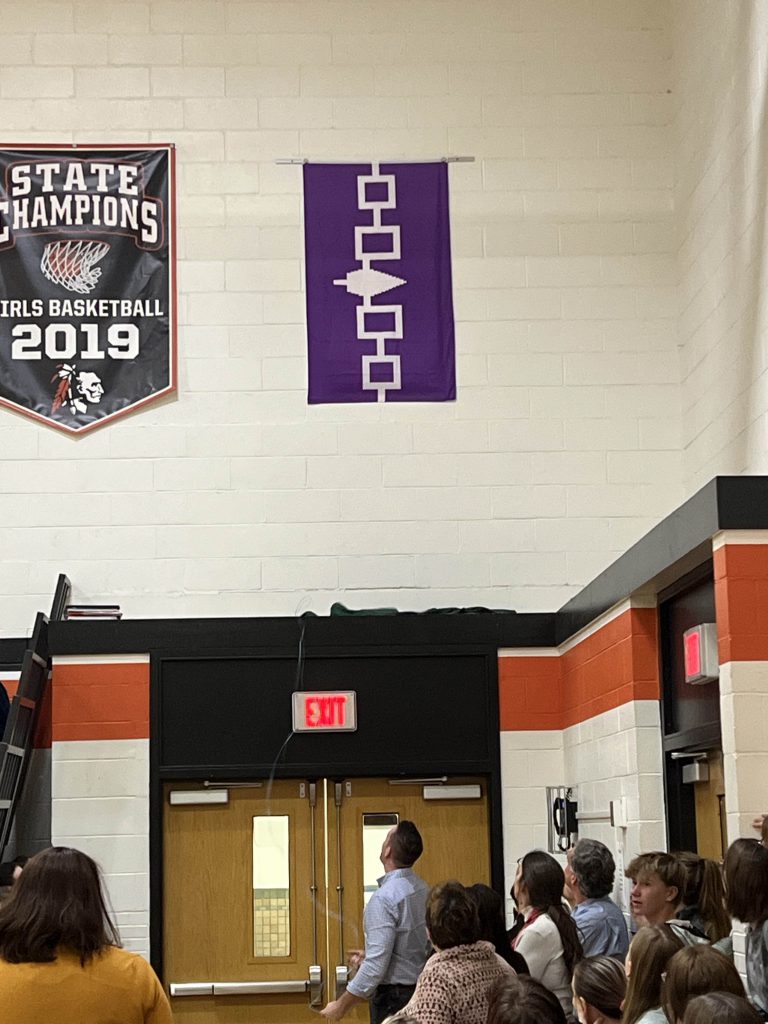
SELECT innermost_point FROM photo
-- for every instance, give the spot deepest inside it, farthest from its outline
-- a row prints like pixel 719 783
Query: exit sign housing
pixel 324 711
pixel 700 654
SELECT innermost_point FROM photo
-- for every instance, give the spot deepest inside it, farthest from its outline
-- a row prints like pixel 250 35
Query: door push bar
pixel 314 985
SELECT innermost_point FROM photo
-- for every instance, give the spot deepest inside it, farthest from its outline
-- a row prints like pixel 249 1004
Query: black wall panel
pixel 686 707
pixel 415 710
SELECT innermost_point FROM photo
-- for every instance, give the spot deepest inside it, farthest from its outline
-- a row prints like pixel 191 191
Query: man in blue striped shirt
pixel 589 876
pixel 396 944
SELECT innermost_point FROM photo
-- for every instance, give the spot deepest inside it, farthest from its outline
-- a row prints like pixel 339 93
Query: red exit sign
pixel 324 711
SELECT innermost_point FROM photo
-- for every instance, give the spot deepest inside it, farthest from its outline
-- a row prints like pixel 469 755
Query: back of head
pixel 490 910
pixel 451 916
pixel 651 950
pixel 490 914
pixel 693 865
pixel 520 999
pixel 544 880
pixel 7 873
pixel 703 888
pixel 406 844
pixel 746 881
pixel 694 971
pixel 601 982
pixel 720 1008
pixel 593 864
pixel 493 928
pixel 666 865
pixel 56 902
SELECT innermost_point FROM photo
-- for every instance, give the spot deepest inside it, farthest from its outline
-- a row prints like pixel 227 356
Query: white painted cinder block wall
pixel 721 50
pixel 611 757
pixel 616 757
pixel 100 805
pixel 235 498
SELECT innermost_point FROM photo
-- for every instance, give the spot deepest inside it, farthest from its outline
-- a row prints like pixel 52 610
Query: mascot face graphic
pixel 76 391
pixel 89 386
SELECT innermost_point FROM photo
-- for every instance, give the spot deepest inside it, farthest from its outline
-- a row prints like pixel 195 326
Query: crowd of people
pixel 568 956
pixel 443 955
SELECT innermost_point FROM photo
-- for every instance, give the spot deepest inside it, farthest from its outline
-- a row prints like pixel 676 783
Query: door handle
pixel 315 985
pixel 342 977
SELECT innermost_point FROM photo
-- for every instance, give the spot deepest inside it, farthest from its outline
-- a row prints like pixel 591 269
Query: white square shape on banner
pixel 381 385
pixel 364 203
pixel 365 256
pixel 394 332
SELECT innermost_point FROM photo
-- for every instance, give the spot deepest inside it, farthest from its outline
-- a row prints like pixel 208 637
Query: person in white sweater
pixel 549 939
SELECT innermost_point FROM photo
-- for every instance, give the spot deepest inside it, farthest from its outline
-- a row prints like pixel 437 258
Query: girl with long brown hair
pixel 649 953
pixel 60 956
pixel 694 971
pixel 599 990
pixel 746 898
pixel 703 896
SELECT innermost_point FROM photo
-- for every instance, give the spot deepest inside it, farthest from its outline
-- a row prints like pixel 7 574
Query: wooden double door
pixel 264 890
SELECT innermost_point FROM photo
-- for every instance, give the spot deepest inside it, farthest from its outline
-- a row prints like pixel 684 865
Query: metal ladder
pixel 17 741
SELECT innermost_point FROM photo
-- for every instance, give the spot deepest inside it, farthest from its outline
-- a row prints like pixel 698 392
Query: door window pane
pixel 375 828
pixel 271 886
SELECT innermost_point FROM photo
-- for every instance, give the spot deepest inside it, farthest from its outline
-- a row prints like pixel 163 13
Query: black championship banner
pixel 87 282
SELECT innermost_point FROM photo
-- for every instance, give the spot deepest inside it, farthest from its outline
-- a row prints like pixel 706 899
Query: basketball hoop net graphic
pixel 70 263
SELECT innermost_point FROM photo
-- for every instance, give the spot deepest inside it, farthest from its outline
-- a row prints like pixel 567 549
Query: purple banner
pixel 379 298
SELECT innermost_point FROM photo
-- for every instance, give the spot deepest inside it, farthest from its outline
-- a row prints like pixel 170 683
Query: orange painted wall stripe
pixel 741 601
pixel 101 702
pixel 613 666
pixel 44 728
pixel 42 737
pixel 11 686
pixel 530 693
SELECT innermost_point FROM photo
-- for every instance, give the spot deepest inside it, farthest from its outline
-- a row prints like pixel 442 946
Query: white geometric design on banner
pixel 368 282
pixel 363 203
pixel 395 332
pixel 381 359
pixel 390 232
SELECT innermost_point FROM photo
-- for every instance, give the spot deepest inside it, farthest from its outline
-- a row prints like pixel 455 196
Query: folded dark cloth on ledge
pixel 339 609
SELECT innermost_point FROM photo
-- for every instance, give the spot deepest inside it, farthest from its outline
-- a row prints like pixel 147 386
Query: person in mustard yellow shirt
pixel 60 956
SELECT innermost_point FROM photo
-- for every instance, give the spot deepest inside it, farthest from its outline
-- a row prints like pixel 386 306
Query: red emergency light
pixel 692 643
pixel 324 711
pixel 700 654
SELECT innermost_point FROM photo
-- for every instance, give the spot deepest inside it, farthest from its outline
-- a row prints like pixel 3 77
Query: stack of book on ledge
pixel 93 611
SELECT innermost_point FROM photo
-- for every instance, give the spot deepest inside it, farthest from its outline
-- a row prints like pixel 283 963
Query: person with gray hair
pixel 589 876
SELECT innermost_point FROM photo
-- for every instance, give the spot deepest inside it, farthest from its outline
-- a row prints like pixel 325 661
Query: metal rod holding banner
pixel 399 160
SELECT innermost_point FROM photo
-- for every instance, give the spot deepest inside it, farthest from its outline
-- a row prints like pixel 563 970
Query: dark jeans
pixel 388 999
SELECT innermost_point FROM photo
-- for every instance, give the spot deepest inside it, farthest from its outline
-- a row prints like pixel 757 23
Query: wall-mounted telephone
pixel 563 823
